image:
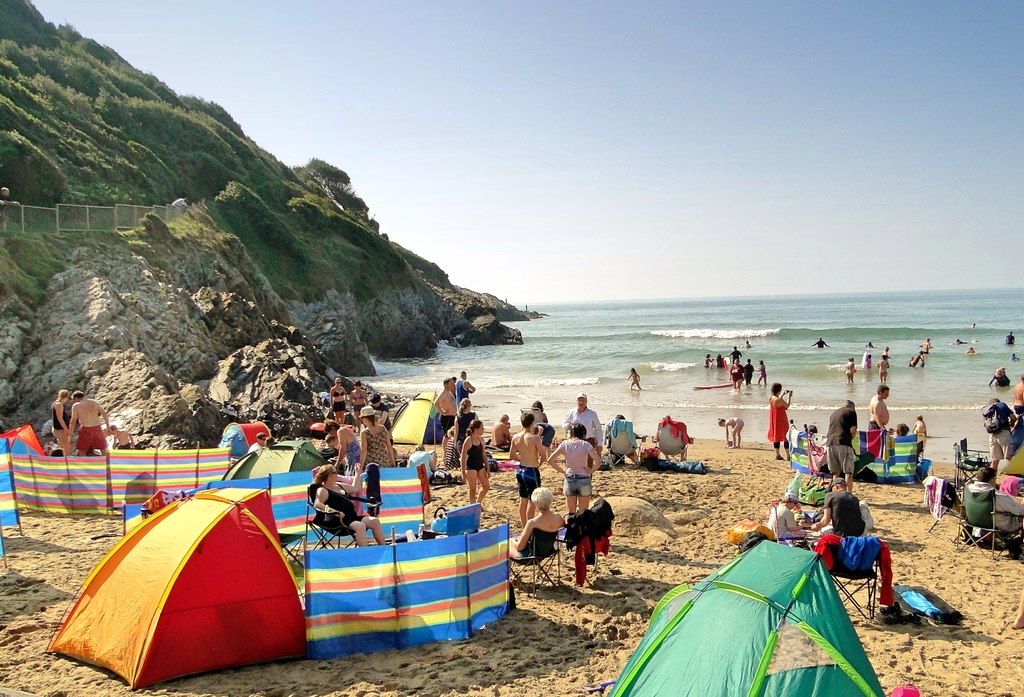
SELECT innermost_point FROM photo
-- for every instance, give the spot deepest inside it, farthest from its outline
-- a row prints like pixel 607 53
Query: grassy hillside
pixel 80 125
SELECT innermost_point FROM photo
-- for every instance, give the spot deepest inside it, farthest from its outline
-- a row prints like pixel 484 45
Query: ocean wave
pixel 547 382
pixel 714 333
pixel 670 367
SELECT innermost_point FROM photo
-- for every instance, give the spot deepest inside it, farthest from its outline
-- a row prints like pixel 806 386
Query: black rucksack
pixel 995 419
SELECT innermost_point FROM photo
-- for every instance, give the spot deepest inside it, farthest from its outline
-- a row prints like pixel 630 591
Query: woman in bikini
pixel 374 441
pixel 359 399
pixel 473 461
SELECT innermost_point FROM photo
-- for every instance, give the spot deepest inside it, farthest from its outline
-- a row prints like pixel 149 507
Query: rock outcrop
pixel 166 327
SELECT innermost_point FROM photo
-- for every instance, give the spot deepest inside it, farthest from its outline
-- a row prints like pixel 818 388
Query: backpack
pixel 995 419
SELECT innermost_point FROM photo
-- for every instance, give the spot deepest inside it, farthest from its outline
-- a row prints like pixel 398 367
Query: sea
pixel 590 347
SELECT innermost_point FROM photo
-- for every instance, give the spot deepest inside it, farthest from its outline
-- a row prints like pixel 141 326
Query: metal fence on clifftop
pixel 74 218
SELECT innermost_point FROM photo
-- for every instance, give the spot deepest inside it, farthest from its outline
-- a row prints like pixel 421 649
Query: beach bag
pixel 813 493
pixel 995 419
pixel 650 458
pixel 737 531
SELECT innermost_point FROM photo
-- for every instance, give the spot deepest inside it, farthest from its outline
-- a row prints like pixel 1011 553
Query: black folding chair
pixel 326 531
pixel 852 584
pixel 968 463
pixel 542 557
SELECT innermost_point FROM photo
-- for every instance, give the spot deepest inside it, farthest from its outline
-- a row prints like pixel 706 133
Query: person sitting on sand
pixel 733 431
pixel 842 512
pixel 545 521
pixel 581 461
pixel 329 496
pixel 501 433
pixel 782 518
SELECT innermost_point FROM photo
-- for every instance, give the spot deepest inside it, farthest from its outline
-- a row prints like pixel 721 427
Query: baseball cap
pixel 581 395
pixel 375 398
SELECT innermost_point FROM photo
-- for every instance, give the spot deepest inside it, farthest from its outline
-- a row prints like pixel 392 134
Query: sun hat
pixel 367 411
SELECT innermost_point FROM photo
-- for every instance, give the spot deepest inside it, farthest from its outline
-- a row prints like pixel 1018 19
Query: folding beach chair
pixel 940 498
pixel 858 587
pixel 673 438
pixel 967 463
pixel 326 531
pixel 976 526
pixel 621 441
pixel 540 561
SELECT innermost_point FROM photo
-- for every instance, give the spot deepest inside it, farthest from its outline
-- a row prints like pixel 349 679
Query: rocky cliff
pixel 165 325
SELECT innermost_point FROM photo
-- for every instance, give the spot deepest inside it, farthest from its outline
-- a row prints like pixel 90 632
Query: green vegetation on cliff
pixel 80 125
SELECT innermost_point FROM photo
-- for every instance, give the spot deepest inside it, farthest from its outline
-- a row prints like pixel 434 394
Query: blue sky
pixel 604 150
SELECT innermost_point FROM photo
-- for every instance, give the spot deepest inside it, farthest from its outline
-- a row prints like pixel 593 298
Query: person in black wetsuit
pixel 329 497
pixel 820 343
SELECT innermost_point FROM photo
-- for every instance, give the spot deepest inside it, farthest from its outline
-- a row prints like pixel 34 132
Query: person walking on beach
pixel 778 419
pixel 529 452
pixel 820 343
pixel 851 370
pixel 463 388
pixel 88 414
pixel 877 411
pixel 634 379
pixel 588 418
pixel 762 374
pixel 842 429
pixel 748 372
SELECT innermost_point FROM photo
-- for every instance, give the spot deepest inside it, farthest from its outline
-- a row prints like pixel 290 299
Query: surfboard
pixel 712 387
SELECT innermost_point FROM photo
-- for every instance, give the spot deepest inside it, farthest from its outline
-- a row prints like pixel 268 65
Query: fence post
pixel 57 217
pixel 22 208
pixel 88 227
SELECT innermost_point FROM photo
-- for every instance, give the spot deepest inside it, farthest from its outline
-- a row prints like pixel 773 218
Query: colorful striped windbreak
pixel 97 484
pixel 371 599
pixel 897 463
pixel 8 505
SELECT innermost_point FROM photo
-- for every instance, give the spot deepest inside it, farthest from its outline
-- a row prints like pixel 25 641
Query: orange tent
pixel 200 585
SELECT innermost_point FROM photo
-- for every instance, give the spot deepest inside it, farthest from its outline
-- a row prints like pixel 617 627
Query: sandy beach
pixel 562 639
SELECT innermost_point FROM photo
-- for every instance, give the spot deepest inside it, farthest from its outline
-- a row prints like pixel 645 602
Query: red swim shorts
pixel 91 438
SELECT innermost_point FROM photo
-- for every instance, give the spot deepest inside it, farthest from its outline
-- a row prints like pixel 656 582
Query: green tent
pixel 767 624
pixel 284 456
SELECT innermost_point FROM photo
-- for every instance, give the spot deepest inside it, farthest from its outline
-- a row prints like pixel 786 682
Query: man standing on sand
pixel 999 421
pixel 842 429
pixel 588 417
pixel 463 388
pixel 92 420
pixel 446 408
pixel 530 452
pixel 878 412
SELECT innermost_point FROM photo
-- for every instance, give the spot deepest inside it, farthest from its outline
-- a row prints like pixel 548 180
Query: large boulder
pixel 635 516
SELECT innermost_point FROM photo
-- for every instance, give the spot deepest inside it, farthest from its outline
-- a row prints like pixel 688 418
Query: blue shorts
pixel 576 485
pixel 528 479
pixel 547 434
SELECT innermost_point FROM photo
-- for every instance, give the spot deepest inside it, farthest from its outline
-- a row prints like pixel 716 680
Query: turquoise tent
pixel 767 624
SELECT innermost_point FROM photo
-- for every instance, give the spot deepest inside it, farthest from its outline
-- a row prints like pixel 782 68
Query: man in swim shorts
pixel 877 410
pixel 91 420
pixel 446 408
pixel 529 451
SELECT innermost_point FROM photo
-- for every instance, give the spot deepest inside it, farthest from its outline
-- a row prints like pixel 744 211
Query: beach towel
pixel 618 425
pixel 687 467
pixel 873 441
pixel 828 549
pixel 678 429
pixel 927 604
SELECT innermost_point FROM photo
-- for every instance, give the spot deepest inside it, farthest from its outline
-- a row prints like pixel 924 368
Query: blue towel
pixel 617 425
pixel 859 553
